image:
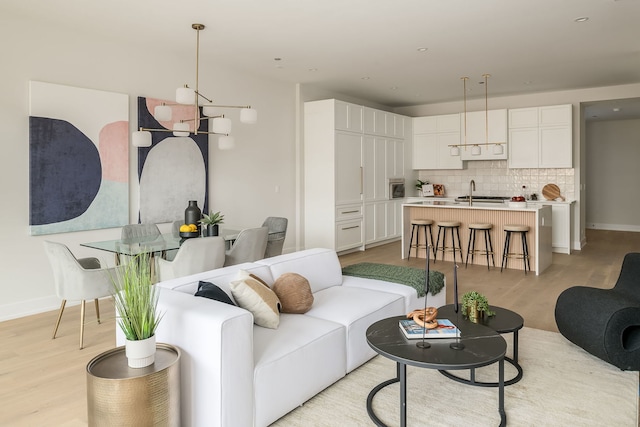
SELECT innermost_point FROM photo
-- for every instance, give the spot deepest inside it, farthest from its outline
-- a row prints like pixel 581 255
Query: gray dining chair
pixel 139 233
pixel 194 256
pixel 78 280
pixel 277 232
pixel 249 246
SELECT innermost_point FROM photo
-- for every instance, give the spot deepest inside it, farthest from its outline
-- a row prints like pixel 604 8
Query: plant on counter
pixel 419 184
pixel 475 305
pixel 212 219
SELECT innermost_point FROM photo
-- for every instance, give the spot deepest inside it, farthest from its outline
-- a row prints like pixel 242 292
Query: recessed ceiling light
pixel 616 109
pixel 581 19
pixel 528 82
pixel 277 59
pixel 365 78
pixel 313 70
pixel 423 49
pixel 394 88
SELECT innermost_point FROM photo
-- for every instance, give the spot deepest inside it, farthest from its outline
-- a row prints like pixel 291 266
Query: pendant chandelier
pixel 475 148
pixel 219 124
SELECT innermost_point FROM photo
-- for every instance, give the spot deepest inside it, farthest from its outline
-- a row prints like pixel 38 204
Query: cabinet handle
pixel 361 179
pixel 348 212
pixel 349 228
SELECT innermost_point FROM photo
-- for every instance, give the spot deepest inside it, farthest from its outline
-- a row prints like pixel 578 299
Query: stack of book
pixel 412 330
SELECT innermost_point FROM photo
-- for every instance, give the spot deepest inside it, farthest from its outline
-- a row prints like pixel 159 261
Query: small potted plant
pixel 419 184
pixel 136 301
pixel 212 221
pixel 475 306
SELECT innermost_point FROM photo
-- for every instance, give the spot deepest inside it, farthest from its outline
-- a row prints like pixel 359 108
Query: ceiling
pixel 370 49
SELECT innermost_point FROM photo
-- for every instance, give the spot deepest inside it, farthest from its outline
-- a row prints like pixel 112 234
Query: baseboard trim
pixel 613 227
pixel 29 307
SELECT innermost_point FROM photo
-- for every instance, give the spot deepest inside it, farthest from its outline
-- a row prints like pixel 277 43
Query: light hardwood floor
pixel 43 381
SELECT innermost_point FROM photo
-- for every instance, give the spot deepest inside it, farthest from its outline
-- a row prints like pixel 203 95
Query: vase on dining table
pixel 211 230
pixel 193 214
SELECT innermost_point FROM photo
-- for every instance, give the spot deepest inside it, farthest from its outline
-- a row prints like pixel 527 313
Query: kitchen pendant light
pixel 497 148
pixel 191 96
pixel 475 150
pixel 455 148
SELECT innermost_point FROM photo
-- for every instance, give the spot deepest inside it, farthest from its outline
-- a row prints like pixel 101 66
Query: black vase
pixel 212 230
pixel 193 214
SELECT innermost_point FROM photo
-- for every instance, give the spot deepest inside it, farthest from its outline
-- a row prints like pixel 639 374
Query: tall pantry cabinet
pixel 350 152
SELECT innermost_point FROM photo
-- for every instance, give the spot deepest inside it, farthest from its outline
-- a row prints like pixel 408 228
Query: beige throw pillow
pixel 294 293
pixel 254 295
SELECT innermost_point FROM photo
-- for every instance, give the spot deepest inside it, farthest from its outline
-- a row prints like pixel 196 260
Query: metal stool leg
pixel 413 227
pixel 435 252
pixel 457 230
pixel 489 246
pixel 505 251
pixel 472 237
pixel 525 252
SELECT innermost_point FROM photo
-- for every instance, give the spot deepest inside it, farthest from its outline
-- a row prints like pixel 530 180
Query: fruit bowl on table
pixel 189 234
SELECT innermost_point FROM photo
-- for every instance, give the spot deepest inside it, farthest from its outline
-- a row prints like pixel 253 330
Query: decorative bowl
pixel 189 234
pixel 517 204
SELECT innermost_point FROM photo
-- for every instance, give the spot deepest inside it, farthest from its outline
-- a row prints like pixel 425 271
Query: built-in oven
pixel 396 188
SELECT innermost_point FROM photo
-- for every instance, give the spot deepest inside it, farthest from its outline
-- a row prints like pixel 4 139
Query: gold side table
pixel 121 396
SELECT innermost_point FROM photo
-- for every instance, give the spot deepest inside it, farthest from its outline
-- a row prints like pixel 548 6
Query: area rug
pixel 410 276
pixel 562 386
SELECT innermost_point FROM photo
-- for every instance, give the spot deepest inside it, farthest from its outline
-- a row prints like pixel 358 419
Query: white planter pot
pixel 141 353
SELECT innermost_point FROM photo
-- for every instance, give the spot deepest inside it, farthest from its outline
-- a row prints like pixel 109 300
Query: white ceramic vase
pixel 141 353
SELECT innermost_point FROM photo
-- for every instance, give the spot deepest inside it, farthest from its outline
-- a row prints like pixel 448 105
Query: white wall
pixel 243 181
pixel 612 156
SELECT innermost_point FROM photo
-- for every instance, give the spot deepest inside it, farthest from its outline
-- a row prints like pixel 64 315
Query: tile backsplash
pixel 494 178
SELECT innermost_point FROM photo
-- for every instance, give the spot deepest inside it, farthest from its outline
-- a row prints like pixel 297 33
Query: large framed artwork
pixel 78 159
pixel 173 170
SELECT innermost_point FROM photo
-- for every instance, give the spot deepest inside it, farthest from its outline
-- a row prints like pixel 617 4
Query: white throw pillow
pixel 254 295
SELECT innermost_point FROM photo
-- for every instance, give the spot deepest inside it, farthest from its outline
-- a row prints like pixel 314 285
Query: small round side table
pixel 120 395
pixel 505 321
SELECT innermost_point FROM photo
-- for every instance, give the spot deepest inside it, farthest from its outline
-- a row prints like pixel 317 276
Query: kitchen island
pixel 537 217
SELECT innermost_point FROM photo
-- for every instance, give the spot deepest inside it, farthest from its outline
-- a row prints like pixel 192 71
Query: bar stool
pixel 488 245
pixel 416 224
pixel 451 226
pixel 522 230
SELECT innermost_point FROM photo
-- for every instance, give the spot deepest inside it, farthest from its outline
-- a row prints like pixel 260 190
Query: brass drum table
pixel 121 396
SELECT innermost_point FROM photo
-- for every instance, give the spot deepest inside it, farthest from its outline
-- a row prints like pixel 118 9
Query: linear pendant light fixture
pixel 475 148
pixel 219 124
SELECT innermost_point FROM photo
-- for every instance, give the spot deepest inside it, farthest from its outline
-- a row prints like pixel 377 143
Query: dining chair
pixel 195 255
pixel 139 233
pixel 78 280
pixel 277 232
pixel 249 246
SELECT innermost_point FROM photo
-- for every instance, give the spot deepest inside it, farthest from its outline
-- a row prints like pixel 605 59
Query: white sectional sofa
pixel 237 374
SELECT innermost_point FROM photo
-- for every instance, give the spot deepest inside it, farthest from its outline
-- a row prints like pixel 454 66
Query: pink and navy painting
pixel 78 159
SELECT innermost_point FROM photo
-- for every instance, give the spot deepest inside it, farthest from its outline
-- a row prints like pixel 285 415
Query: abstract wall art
pixel 174 169
pixel 78 159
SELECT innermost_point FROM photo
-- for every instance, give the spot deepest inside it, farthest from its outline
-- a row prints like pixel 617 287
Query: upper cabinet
pixel 348 117
pixel 432 137
pixel 485 128
pixel 541 137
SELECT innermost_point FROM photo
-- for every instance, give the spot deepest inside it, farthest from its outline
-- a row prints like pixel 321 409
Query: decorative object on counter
pixel 534 196
pixel 212 222
pixel 193 214
pixel 552 192
pixel 136 301
pixel 518 202
pixel 438 189
pixel 202 113
pixel 419 186
pixel 475 306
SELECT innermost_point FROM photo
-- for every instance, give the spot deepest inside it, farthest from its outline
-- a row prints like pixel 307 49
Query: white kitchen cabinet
pixel 545 143
pixel 382 221
pixel 561 229
pixel 483 127
pixel 431 139
pixel 346 171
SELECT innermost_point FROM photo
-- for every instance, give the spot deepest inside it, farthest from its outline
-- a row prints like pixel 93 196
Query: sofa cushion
pixel 320 266
pixel 254 295
pixel 211 291
pixel 294 293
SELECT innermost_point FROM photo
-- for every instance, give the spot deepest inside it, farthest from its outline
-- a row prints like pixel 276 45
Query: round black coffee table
pixel 503 322
pixel 484 348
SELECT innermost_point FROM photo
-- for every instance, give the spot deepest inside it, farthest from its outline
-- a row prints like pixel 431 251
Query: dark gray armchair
pixel 605 322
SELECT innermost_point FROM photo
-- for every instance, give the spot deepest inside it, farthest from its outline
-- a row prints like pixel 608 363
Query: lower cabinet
pixel 382 221
pixel 349 234
pixel 560 227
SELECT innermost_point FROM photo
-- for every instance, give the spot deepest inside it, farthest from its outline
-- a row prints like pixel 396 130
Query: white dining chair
pixel 78 280
pixel 249 246
pixel 194 256
pixel 277 232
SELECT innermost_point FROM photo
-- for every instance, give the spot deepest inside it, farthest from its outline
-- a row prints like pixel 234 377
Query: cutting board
pixel 551 192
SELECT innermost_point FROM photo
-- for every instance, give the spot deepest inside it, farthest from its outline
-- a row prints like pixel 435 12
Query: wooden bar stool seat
pixel 416 225
pixel 522 230
pixel 488 245
pixel 452 227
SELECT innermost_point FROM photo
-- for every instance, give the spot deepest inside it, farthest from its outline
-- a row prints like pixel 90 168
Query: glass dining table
pixel 155 245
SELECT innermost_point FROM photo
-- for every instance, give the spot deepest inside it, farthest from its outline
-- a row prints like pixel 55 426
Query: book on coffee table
pixel 412 330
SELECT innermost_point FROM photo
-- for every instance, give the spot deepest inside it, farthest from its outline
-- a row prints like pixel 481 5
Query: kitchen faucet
pixel 472 187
